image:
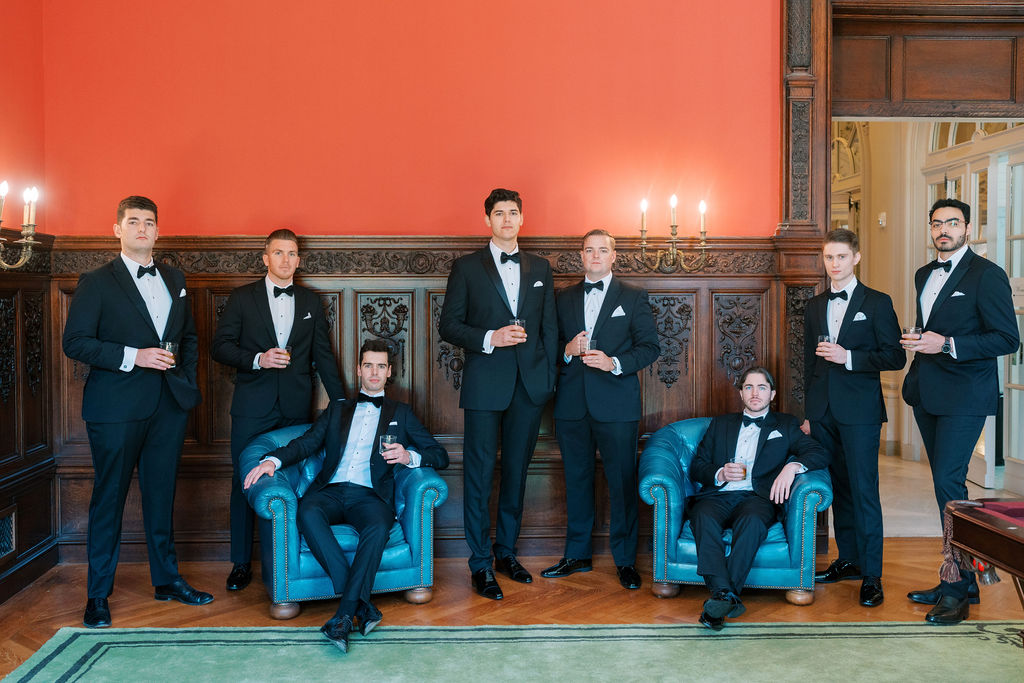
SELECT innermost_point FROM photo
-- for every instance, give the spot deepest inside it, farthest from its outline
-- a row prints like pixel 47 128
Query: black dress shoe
pixel 932 595
pixel 871 592
pixel 839 570
pixel 368 616
pixel 713 623
pixel 724 603
pixel 337 629
pixel 510 565
pixel 97 613
pixel 566 566
pixel 240 576
pixel 182 592
pixel 949 611
pixel 486 585
pixel 628 576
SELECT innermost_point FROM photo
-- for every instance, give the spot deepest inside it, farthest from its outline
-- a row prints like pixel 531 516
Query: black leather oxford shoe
pixel 337 629
pixel 510 565
pixel 240 576
pixel 949 611
pixel 629 577
pixel 839 570
pixel 724 603
pixel 566 566
pixel 97 613
pixel 713 623
pixel 182 592
pixel 871 592
pixel 486 585
pixel 931 595
pixel 369 617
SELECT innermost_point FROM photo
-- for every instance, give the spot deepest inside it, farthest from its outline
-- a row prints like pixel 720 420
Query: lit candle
pixel 26 196
pixel 643 215
pixel 702 207
pixel 672 201
pixel 4 187
pixel 33 196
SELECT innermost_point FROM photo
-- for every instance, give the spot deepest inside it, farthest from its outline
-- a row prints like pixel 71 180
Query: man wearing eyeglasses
pixel 965 307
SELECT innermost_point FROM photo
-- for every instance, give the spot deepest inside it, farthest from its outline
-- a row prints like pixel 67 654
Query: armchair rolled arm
pixel 812 493
pixel 279 487
pixel 417 492
pixel 662 484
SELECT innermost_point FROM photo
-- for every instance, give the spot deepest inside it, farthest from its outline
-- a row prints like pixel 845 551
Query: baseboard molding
pixel 28 570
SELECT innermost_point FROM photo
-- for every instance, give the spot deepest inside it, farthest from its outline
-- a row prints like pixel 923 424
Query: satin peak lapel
pixel 492 273
pixel 124 280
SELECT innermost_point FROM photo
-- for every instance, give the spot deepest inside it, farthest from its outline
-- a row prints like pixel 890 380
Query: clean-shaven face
pixel 598 257
pixel 281 258
pixel 373 371
pixel 839 262
pixel 137 231
pixel 504 221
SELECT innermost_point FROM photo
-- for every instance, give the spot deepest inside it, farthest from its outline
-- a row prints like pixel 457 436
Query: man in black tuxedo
pixel 844 406
pixel 597 405
pixel 745 465
pixel 356 485
pixel 965 309
pixel 136 401
pixel 500 308
pixel 274 333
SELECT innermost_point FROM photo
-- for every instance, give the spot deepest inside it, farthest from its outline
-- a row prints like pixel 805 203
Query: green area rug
pixel 979 651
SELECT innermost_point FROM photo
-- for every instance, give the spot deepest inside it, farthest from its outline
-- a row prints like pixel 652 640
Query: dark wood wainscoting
pixel 713 323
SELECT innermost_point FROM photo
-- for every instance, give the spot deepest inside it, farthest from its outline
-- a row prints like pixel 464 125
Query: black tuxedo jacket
pixel 106 315
pixel 871 331
pixel 246 328
pixel 330 432
pixel 975 308
pixel 624 329
pixel 475 302
pixel 780 442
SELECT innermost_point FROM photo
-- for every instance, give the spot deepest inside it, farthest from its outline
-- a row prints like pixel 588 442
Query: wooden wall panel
pixel 870 81
pixel 972 68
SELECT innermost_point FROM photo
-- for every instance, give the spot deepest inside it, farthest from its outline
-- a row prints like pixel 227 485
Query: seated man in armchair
pixel 356 485
pixel 745 464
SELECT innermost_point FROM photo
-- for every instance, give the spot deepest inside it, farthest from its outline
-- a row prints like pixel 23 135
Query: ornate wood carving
pixel 673 318
pixel 737 317
pixel 384 316
pixel 450 358
pixel 32 319
pixel 8 350
pixel 796 304
pixel 798 34
pixel 800 160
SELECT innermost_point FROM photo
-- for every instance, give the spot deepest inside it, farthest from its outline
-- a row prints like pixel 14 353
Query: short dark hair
pixel 501 195
pixel 280 234
pixel 843 236
pixel 377 346
pixel 965 209
pixel 135 202
pixel 600 231
pixel 757 370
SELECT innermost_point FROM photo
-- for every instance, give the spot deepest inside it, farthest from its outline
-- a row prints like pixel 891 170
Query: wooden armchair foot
pixel 665 590
pixel 284 610
pixel 419 596
pixel 800 597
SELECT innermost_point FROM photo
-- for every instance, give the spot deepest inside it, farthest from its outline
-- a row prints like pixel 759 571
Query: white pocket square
pixel 618 312
pixel 393 422
pixel 956 294
pixel 308 316
pixel 860 316
pixel 774 435
pixel 182 293
pixel 538 283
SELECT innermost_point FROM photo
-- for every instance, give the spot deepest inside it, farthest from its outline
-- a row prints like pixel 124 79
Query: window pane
pixel 964 131
pixel 941 139
pixel 994 127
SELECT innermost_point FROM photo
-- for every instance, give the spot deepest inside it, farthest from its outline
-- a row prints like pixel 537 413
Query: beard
pixel 953 244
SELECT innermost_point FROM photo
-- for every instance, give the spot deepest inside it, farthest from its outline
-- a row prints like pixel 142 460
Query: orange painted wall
pixel 21 104
pixel 397 117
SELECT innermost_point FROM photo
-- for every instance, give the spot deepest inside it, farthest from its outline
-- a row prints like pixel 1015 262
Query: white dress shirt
pixel 282 312
pixel 746 452
pixel 592 303
pixel 934 284
pixel 509 272
pixel 157 298
pixel 836 312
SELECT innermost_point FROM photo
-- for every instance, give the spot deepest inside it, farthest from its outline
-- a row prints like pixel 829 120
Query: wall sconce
pixel 28 227
pixel 673 260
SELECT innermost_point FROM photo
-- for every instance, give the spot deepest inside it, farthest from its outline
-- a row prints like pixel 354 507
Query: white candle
pixel 643 214
pixel 25 195
pixel 672 201
pixel 4 187
pixel 32 207
pixel 702 207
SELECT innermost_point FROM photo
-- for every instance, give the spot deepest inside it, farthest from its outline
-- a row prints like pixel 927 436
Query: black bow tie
pixel 587 286
pixel 837 295
pixel 747 420
pixel 375 400
pixel 143 270
pixel 945 265
pixel 289 290
pixel 505 258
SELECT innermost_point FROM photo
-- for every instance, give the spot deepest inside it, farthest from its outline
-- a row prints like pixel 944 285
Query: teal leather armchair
pixel 290 571
pixel 785 559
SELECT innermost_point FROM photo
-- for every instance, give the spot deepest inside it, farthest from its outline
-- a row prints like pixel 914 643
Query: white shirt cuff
pixel 952 347
pixel 567 359
pixel 720 481
pixel 256 361
pixel 277 463
pixel 414 459
pixel 849 360
pixel 128 361
pixel 617 370
pixel 488 348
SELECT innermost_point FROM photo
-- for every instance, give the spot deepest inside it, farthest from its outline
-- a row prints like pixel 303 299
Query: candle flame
pixel 34 194
pixel 643 205
pixel 672 201
pixel 702 207
pixel 3 188
pixel 27 195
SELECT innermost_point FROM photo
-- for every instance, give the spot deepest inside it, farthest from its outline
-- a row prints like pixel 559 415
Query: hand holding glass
pixel 386 440
pixel 912 331
pixel 171 348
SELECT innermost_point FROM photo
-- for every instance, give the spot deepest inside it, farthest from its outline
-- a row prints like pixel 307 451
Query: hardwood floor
pixel 32 616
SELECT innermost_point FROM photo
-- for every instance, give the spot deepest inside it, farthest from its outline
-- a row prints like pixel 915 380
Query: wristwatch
pixel 947 345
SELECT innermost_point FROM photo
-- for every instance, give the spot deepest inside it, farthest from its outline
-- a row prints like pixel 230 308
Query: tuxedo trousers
pixel 579 442
pixel 154 445
pixel 856 504
pixel 367 513
pixel 749 515
pixel 517 426
pixel 949 441
pixel 244 430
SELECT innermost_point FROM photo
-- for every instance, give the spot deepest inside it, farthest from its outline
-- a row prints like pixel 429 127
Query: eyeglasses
pixel 951 223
